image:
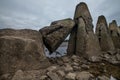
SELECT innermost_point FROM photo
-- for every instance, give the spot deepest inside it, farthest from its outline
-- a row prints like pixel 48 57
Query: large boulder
pixel 56 33
pixel 103 35
pixel 115 33
pixel 21 49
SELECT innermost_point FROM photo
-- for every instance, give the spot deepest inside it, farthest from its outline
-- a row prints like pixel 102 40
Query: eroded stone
pixel 103 35
pixel 56 33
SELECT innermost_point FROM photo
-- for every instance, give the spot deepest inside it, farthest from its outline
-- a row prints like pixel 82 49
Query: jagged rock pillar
pixel 86 41
pixel 115 33
pixel 103 35
pixel 72 42
pixel 56 33
pixel 81 37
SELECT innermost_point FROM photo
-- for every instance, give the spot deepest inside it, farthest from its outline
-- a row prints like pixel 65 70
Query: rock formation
pixel 115 34
pixel 22 54
pixel 86 41
pixel 56 33
pixel 103 34
pixel 21 49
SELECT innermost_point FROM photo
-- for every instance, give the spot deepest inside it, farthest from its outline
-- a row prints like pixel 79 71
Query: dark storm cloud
pixel 35 14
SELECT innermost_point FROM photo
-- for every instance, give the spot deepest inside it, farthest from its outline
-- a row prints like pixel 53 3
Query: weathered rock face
pixel 21 49
pixel 83 11
pixel 115 33
pixel 55 34
pixel 103 34
pixel 72 42
pixel 86 41
pixel 81 38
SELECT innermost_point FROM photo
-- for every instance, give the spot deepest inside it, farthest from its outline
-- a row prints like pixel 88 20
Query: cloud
pixel 35 14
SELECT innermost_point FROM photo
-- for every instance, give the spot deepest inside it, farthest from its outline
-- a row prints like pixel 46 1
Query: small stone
pixel 107 56
pixel 103 64
pixel 70 76
pixel 75 64
pixel 60 62
pixel 74 57
pixel 68 68
pixel 84 66
pixel 53 76
pixel 103 78
pixel 61 73
pixel 76 68
pixel 65 59
pixel 51 68
pixel 44 77
pixel 84 76
pixel 19 75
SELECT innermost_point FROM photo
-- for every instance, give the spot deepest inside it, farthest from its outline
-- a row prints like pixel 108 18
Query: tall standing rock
pixel 56 33
pixel 115 33
pixel 103 34
pixel 81 37
pixel 81 11
pixel 72 42
pixel 87 44
pixel 21 50
pixel 88 41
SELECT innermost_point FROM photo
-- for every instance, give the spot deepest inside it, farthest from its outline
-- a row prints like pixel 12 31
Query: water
pixel 61 51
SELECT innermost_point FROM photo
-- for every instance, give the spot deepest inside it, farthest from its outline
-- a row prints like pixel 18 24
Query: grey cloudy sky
pixel 35 14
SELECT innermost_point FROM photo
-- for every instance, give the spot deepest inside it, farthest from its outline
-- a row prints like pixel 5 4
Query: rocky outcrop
pixel 115 33
pixel 103 35
pixel 21 49
pixel 71 69
pixel 56 33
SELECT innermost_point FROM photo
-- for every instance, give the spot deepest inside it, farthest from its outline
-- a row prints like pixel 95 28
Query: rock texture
pixel 21 49
pixel 103 35
pixel 55 34
pixel 115 33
